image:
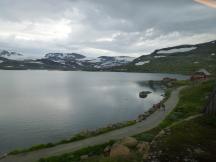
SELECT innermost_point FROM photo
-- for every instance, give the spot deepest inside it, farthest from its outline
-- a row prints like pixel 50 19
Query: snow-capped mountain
pixel 61 61
pixel 88 62
pixel 15 56
pixel 63 56
pixel 10 55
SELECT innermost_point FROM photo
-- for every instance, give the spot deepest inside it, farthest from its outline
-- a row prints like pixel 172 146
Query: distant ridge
pixel 184 59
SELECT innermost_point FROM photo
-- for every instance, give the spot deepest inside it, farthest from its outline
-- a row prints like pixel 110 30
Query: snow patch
pixel 35 62
pixel 1 61
pixel 97 66
pixel 142 63
pixel 159 56
pixel 213 54
pixel 59 61
pixel 124 58
pixel 79 63
pixel 94 60
pixel 177 50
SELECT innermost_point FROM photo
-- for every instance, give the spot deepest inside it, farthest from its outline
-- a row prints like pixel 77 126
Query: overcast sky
pixel 103 27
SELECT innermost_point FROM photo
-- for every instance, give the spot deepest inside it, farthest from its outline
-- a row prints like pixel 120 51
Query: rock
pixel 144 94
pixel 162 133
pixel 119 150
pixel 151 111
pixel 129 142
pixel 167 131
pixel 84 157
pixel 3 155
pixel 145 156
pixel 143 147
pixel 199 151
pixel 141 117
pixel 107 149
pixel 147 114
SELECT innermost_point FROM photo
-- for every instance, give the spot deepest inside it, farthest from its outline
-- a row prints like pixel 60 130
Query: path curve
pixel 151 122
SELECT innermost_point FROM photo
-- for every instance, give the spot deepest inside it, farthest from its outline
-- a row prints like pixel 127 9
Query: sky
pixel 104 27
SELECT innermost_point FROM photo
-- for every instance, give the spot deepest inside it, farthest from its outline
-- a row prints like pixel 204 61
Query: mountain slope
pixel 60 61
pixel 183 59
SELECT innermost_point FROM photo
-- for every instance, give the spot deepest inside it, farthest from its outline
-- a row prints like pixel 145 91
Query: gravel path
pixel 147 124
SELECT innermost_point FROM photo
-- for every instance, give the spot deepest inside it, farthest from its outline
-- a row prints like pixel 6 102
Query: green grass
pixel 185 138
pixel 95 154
pixel 191 102
pixel 134 157
pixel 75 156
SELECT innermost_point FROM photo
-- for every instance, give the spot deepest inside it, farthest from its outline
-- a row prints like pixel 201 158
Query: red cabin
pixel 200 75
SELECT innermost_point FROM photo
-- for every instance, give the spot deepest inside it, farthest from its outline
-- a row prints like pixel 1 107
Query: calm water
pixel 47 106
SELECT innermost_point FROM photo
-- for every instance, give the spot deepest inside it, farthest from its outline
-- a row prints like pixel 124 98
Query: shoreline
pixel 151 122
pixel 93 133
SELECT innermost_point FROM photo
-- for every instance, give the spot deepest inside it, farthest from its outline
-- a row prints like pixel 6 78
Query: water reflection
pixel 46 106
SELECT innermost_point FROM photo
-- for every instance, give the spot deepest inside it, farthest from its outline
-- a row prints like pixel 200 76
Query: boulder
pixel 143 147
pixel 199 151
pixel 144 94
pixel 84 157
pixel 141 117
pixel 129 142
pixel 119 150
pixel 107 149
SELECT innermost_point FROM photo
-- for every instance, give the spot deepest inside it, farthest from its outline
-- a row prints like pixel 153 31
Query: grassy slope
pixel 177 64
pixel 192 140
pixel 192 100
pixel 181 63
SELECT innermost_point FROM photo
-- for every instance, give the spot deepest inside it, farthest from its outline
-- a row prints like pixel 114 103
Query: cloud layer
pixel 101 27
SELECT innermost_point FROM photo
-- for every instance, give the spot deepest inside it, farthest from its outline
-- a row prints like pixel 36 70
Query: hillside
pixel 184 59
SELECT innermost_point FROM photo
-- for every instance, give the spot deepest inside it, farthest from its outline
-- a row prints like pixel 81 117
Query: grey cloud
pixel 124 27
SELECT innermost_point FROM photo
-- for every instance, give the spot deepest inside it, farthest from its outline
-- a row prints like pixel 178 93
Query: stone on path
pixel 119 150
pixel 129 141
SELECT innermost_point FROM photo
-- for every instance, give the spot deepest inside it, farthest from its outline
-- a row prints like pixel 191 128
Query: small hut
pixel 202 74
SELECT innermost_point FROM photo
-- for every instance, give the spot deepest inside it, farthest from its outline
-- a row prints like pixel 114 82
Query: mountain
pixel 60 61
pixel 82 62
pixel 10 55
pixel 63 56
pixel 184 59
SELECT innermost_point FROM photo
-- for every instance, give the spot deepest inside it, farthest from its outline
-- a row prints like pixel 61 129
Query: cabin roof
pixel 204 71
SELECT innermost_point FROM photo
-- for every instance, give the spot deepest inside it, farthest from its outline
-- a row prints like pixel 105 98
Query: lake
pixel 47 106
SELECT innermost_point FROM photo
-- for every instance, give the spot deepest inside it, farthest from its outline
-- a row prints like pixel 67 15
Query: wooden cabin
pixel 202 74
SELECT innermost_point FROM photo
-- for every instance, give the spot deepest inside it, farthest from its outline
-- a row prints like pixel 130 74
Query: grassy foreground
pixel 194 140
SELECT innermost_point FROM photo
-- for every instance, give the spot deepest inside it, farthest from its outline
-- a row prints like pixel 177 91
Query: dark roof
pixel 203 71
